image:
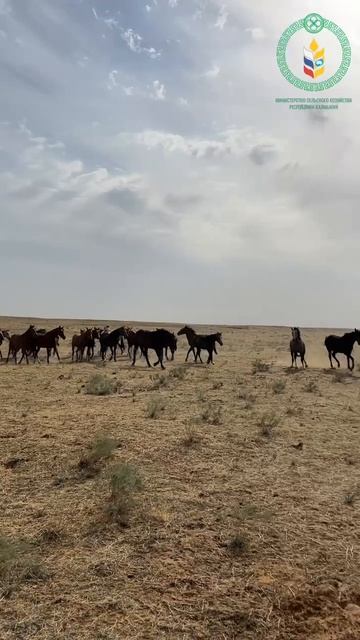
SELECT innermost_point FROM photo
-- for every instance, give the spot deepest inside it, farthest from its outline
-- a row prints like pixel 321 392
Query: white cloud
pixel 222 18
pixel 129 91
pixel 134 42
pixel 112 82
pixel 213 72
pixel 159 91
pixel 173 3
pixel 257 33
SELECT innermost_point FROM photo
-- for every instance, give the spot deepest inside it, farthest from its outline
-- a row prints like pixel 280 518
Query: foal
pixel 297 347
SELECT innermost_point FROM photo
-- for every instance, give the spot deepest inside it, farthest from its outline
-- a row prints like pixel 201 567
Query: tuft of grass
pixel 311 387
pixel 217 385
pixel 252 512
pixel 101 449
pixel 191 438
pixel 18 564
pixel 161 381
pixel 351 497
pixel 125 481
pixel 201 397
pixel 99 385
pixel 279 386
pixel 212 414
pixel 179 372
pixel 258 366
pixel 155 408
pixel 238 545
pixel 249 399
pixel 268 423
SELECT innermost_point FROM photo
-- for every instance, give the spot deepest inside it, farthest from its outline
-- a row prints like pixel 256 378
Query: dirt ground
pixel 247 522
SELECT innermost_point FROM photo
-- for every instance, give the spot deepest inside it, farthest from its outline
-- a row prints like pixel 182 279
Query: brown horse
pixel 111 341
pixel 297 347
pixel 79 343
pixel 48 341
pixel 198 342
pixel 24 342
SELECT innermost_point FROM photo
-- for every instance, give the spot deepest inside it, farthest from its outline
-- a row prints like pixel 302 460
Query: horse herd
pixel 83 344
pixel 161 341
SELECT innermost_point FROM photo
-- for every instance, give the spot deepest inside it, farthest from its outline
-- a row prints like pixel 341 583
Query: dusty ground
pixel 212 469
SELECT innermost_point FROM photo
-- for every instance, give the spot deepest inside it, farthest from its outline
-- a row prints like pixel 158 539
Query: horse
pixel 79 342
pixel 24 342
pixel 48 341
pixel 95 335
pixel 111 341
pixel 297 347
pixel 342 344
pixel 172 346
pixel 198 342
pixel 157 340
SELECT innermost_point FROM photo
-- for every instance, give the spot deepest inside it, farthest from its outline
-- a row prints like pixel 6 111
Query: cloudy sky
pixel 147 173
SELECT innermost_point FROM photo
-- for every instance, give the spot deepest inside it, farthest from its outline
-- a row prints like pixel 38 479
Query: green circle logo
pixel 313 55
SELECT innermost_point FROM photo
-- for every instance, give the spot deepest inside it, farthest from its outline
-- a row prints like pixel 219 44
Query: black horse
pixel 297 347
pixel 111 341
pixel 342 344
pixel 157 340
pixel 198 342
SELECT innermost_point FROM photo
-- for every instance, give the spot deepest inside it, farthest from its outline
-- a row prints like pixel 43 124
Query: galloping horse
pixel 297 347
pixel 24 342
pixel 157 340
pixel 342 344
pixel 198 342
pixel 48 341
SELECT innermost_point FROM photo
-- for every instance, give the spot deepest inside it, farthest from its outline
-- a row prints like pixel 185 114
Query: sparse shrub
pixel 249 399
pixel 258 366
pixel 179 372
pixel 350 497
pixel 238 545
pixel 252 512
pixel 161 381
pixel 18 564
pixel 212 414
pixel 201 396
pixel 311 387
pixel 217 385
pixel 102 449
pixel 155 408
pixel 124 482
pixel 268 423
pixel 99 385
pixel 50 536
pixel 278 386
pixel 190 438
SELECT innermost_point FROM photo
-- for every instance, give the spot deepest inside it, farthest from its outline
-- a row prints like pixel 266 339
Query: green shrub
pixel 125 481
pixel 155 408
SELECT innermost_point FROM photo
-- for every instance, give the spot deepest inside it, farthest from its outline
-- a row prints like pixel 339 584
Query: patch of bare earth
pixel 202 502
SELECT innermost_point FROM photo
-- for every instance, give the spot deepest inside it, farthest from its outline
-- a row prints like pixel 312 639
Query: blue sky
pixel 147 173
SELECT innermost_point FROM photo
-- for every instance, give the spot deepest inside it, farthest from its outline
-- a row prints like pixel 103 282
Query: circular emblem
pixel 313 23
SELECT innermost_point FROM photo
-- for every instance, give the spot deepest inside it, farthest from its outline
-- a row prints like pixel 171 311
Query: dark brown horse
pixel 79 343
pixel 297 347
pixel 48 341
pixel 197 342
pixel 24 342
pixel 111 341
pixel 157 340
pixel 342 344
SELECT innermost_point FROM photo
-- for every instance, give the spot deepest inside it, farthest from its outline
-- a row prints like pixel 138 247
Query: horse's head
pixel 218 338
pixel 295 332
pixel 60 332
pixel 95 333
pixel 31 330
pixel 185 331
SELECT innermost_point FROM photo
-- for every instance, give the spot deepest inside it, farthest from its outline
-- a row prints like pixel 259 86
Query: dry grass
pixel 234 534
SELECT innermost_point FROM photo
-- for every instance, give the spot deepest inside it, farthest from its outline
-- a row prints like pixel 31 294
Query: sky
pixel 147 173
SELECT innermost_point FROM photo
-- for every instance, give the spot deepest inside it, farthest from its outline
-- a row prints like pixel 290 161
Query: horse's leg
pixel 115 353
pixel 48 354
pixel 351 362
pixel 215 349
pixel 335 358
pixel 56 352
pixel 188 353
pixel 209 360
pixel 134 356
pixel 145 352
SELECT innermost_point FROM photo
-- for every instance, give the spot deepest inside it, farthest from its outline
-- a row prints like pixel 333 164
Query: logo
pixel 314 60
pixel 295 62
